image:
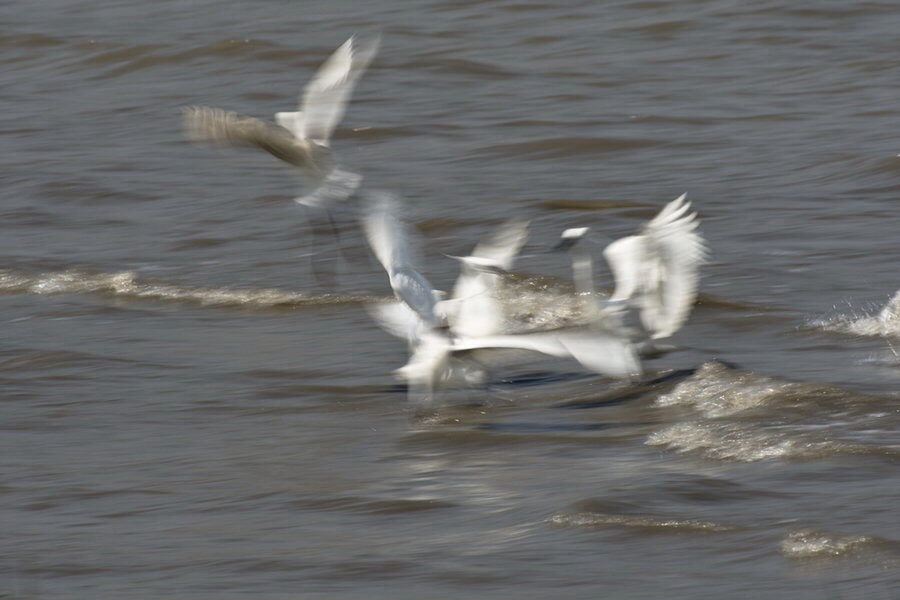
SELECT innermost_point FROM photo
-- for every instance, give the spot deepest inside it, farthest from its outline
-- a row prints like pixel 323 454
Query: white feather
pixel 325 97
pixel 597 350
pixel 301 138
pixel 389 239
pixel 658 269
pixel 473 309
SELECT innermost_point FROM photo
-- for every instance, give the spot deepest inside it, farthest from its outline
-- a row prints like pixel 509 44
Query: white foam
pixel 739 441
pixel 807 543
pixel 717 391
pixel 592 519
pixel 884 323
pixel 126 284
pixel 538 303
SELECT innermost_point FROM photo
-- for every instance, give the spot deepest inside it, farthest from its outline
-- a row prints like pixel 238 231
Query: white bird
pixel 473 309
pixel 301 138
pixel 438 359
pixel 438 353
pixel 656 270
pixel 391 241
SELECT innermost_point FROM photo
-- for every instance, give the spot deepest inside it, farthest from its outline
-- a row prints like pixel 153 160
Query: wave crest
pixel 745 416
pixel 126 284
pixel 741 442
pixel 810 544
pixel 592 519
pixel 717 391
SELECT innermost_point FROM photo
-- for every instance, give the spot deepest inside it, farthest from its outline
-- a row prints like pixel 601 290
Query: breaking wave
pixel 591 519
pixel 811 544
pixel 742 442
pixel 126 284
pixel 717 391
pixel 744 416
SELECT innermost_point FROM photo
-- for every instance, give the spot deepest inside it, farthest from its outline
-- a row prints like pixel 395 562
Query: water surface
pixel 188 412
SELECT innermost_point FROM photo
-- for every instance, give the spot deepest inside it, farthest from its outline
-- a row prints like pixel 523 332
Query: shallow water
pixel 187 411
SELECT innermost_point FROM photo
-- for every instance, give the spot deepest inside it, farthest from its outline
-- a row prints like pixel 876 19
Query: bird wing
pixel 428 362
pixel 411 286
pixel 390 240
pixel 502 247
pixel 625 257
pixel 658 269
pixel 478 313
pixel 473 306
pixel 214 125
pixel 397 319
pixel 678 250
pixel 542 342
pixel 387 235
pixel 337 186
pixel 602 352
pixel 599 351
pixel 324 99
pixel 293 122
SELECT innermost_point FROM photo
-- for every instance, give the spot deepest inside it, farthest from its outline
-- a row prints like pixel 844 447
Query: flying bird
pixel 443 333
pixel 301 138
pixel 656 270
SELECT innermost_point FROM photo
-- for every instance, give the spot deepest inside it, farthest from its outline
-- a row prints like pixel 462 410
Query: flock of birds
pixel 656 270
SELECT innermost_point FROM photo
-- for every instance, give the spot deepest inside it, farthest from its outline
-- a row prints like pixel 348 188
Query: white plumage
pixel 301 138
pixel 656 270
pixel 390 240
pixel 473 309
pixel 441 333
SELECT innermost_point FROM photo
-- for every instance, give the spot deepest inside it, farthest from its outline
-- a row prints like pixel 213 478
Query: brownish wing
pixel 214 125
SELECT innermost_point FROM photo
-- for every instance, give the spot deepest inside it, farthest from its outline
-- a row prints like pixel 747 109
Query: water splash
pixel 533 302
pixel 884 323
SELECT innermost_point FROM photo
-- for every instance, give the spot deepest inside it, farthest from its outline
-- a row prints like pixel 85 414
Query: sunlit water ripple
pixel 196 404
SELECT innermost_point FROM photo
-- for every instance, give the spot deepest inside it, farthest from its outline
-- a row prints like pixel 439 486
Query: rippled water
pixel 188 411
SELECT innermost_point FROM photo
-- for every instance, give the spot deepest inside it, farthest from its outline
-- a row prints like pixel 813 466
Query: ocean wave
pixel 811 544
pixel 745 416
pixel 125 284
pixel 743 442
pixel 596 520
pixel 717 391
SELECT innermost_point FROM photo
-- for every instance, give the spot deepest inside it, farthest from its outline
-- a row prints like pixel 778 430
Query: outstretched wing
pixel 214 125
pixel 626 258
pixel 599 351
pixel 602 352
pixel 679 250
pixel 473 307
pixel 501 248
pixel 325 97
pixel 659 268
pixel 397 319
pixel 391 242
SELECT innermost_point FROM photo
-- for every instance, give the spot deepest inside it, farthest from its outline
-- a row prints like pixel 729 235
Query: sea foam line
pixel 126 284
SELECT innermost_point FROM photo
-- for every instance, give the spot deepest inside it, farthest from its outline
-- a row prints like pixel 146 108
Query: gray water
pixel 187 412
